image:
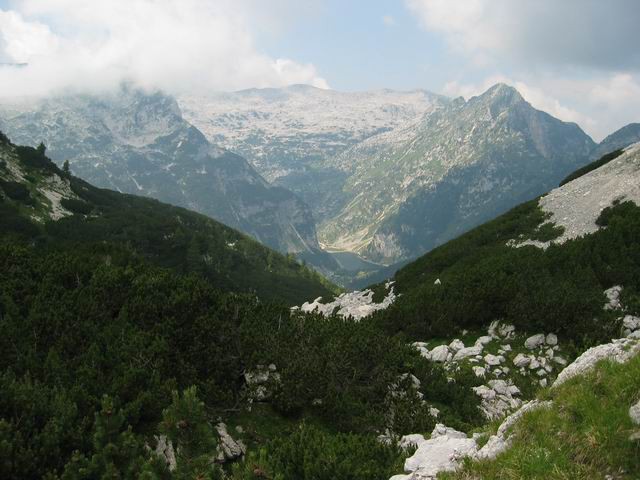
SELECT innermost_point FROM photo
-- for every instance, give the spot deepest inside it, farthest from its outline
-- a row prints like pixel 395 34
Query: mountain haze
pixel 136 142
pixel 290 133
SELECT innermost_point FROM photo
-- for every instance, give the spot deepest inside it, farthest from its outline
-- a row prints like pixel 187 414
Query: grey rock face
pixel 290 134
pixel 419 185
pixel 139 143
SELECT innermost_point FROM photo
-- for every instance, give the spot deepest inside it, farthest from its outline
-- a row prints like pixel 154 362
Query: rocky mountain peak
pixel 500 97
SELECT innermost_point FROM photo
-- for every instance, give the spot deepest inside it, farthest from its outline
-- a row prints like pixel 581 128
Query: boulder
pixel 485 392
pixel 228 448
pixel 499 386
pixel 551 339
pixel 440 354
pixel 164 450
pixel 483 340
pixel 613 298
pixel 620 351
pixel 467 352
pixel 506 330
pixel 441 453
pixel 411 441
pixel 513 390
pixel 521 360
pixel 456 345
pixel 631 323
pixel 559 360
pixel 634 413
pixel 535 341
pixel 492 360
pixel 479 371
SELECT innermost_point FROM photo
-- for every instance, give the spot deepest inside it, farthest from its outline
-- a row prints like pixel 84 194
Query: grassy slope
pixel 584 435
pixel 168 236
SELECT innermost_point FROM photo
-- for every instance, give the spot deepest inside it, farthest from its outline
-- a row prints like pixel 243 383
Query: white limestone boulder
pixel 467 352
pixel 439 354
pixel 442 452
pixel 534 341
pixel 620 351
pixel 634 413
pixel 521 360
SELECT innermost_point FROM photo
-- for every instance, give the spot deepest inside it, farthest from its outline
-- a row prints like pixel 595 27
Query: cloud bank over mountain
pixel 577 59
pixel 175 45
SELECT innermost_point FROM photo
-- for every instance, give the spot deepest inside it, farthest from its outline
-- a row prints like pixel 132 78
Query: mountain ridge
pixel 139 143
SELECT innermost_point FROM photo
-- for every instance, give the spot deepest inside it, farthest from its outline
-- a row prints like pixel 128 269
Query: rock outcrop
pixel 356 305
pixel 228 448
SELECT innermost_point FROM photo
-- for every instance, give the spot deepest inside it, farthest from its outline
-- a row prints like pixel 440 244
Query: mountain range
pixel 138 143
pixel 47 206
pixel 375 178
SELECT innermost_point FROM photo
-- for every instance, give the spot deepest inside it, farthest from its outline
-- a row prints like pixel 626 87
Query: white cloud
pixel 575 59
pixel 175 45
pixel 591 33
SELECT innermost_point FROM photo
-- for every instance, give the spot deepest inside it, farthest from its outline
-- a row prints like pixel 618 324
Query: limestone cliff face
pixel 413 188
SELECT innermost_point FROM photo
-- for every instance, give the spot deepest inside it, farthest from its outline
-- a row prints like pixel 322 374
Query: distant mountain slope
pixel 542 266
pixel 415 187
pixel 289 133
pixel 42 203
pixel 619 139
pixel 139 143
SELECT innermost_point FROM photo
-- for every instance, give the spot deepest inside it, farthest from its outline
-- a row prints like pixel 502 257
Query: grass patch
pixel 585 434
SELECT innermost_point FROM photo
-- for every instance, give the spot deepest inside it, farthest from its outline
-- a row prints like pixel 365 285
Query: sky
pixel 576 59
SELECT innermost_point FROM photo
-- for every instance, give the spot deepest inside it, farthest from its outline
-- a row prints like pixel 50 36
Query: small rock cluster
pixel 441 453
pixel 260 380
pixel 543 360
pixel 356 305
pixel 446 447
pixel 456 351
pixel 498 397
pixel 228 449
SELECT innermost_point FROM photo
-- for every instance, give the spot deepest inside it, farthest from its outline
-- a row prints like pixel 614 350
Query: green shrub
pixel 76 206
pixel 313 454
pixel 16 191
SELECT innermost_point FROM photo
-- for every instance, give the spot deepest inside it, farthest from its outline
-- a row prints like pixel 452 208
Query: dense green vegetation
pixel 312 453
pixel 131 319
pixel 592 166
pixel 77 326
pixel 584 435
pixel 555 290
pixel 165 235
